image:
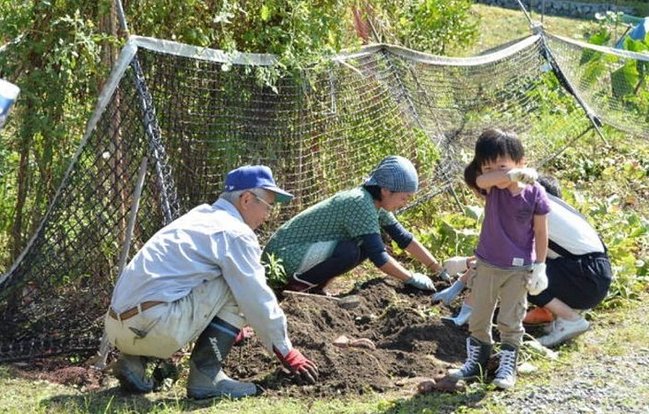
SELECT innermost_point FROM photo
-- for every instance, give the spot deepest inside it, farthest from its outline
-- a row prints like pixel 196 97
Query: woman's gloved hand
pixel 420 281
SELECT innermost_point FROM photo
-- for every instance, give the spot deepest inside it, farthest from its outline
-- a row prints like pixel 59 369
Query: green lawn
pixel 512 24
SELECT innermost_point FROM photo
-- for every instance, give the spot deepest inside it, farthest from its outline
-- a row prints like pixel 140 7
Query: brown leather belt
pixel 133 311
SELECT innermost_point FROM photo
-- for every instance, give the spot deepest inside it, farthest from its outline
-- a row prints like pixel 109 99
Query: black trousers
pixel 581 282
pixel 346 255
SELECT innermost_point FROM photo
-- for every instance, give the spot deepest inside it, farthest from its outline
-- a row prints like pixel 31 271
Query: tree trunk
pixel 22 188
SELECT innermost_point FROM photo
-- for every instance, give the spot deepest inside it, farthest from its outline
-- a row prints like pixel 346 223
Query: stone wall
pixel 559 7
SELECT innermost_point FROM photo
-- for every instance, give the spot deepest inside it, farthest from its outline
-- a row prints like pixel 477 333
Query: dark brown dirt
pixel 411 346
pixel 60 371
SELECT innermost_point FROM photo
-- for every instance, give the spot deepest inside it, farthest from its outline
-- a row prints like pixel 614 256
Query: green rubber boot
pixel 206 376
pixel 130 370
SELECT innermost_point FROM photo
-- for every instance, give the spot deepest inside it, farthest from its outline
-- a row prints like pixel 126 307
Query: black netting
pixel 61 286
pixel 195 119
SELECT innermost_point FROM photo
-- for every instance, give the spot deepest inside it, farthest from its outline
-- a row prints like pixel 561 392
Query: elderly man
pixel 201 277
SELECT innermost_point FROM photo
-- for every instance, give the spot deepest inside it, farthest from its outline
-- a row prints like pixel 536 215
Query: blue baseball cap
pixel 255 176
pixel 395 173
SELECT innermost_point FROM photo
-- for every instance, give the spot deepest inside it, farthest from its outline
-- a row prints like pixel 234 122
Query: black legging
pixel 346 255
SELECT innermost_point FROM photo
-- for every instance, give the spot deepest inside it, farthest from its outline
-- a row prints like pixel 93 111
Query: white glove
pixel 538 280
pixel 420 281
pixel 455 265
pixel 523 175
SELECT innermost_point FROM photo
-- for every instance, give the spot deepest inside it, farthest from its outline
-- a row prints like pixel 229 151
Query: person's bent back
pixel 200 278
pixel 337 234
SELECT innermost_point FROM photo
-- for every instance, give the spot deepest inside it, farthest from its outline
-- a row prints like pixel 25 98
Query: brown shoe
pixel 538 316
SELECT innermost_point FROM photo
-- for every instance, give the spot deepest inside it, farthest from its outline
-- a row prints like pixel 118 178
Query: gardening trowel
pixel 346 302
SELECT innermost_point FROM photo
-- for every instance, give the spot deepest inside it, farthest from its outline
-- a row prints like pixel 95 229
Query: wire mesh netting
pixel 613 82
pixel 196 114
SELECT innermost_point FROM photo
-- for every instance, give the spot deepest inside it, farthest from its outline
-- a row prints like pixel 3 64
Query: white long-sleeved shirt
pixel 570 230
pixel 209 242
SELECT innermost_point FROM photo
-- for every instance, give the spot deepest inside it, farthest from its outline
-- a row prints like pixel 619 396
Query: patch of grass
pixel 512 24
pixel 21 396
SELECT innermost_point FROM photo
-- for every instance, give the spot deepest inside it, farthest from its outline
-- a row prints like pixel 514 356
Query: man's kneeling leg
pixel 206 376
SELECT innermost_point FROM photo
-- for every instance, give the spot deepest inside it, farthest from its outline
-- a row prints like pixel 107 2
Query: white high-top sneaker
pixel 506 372
pixel 564 330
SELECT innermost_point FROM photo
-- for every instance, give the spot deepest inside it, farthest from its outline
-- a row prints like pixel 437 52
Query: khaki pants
pixel 488 284
pixel 164 329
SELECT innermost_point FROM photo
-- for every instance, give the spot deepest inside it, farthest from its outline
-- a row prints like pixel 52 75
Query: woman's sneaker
pixel 564 330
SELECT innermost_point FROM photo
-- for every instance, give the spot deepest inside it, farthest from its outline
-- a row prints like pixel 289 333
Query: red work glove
pixel 297 363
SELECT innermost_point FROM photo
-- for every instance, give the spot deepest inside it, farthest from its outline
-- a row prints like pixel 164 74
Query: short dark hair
pixel 471 175
pixel 551 185
pixel 374 190
pixel 494 143
pixel 471 172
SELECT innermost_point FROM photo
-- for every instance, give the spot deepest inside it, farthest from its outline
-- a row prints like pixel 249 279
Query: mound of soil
pixel 408 345
pixel 60 371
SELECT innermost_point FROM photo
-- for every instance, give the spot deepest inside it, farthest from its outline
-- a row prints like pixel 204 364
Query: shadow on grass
pixel 438 402
pixel 114 400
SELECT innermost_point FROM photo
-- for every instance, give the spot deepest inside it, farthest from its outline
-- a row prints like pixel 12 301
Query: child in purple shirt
pixel 510 254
